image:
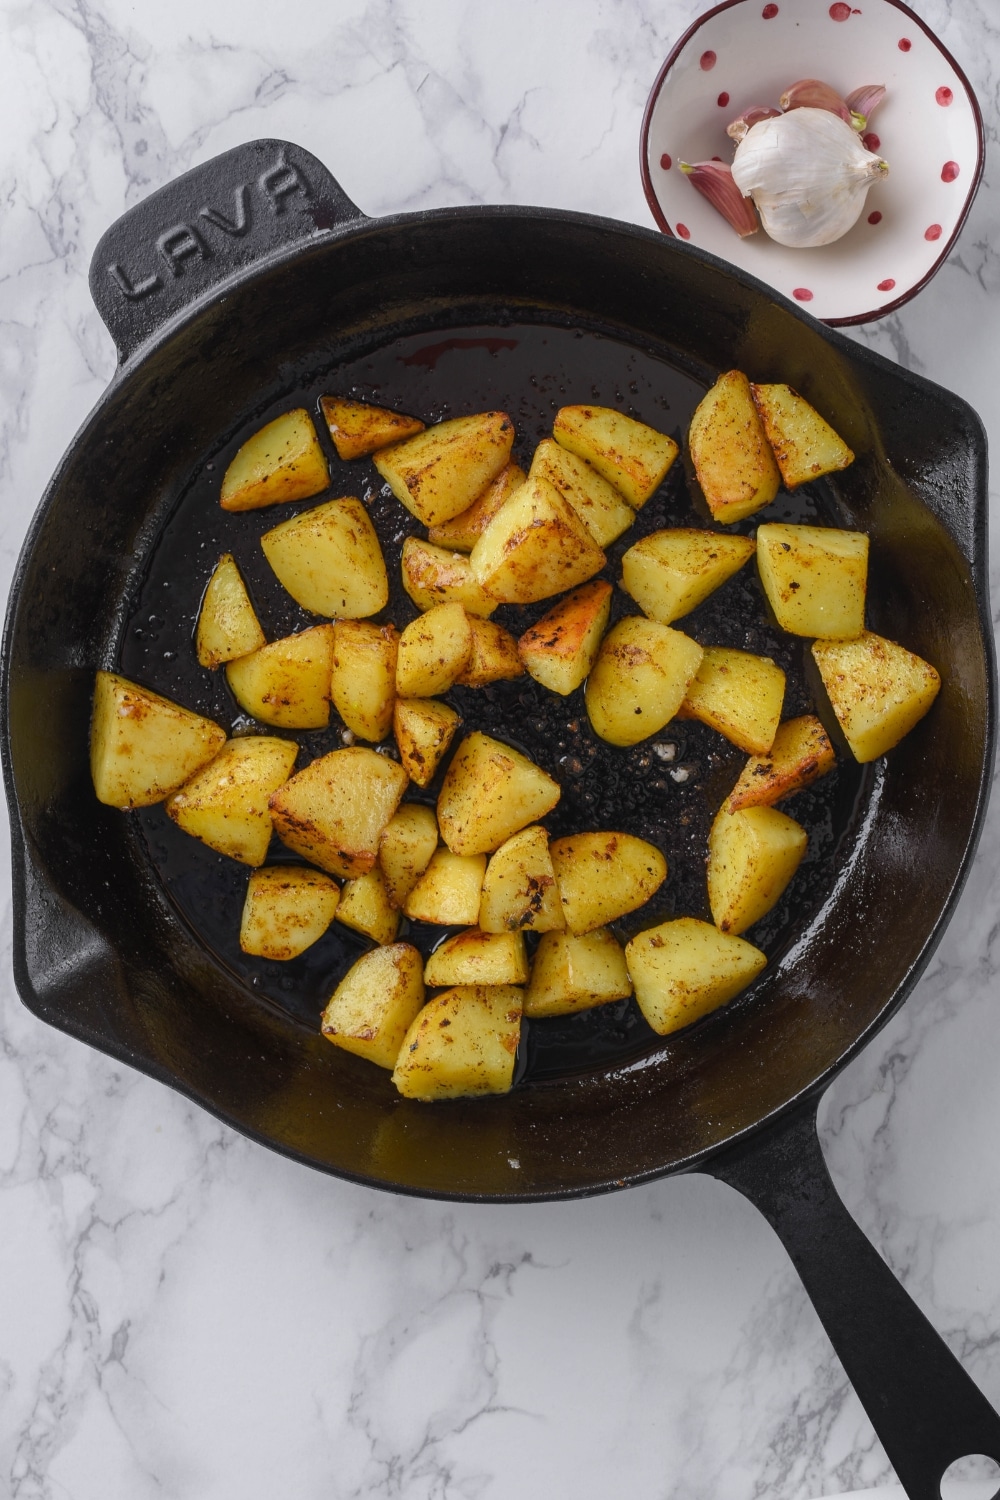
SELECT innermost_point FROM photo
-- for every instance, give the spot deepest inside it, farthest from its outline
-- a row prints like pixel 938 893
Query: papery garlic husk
pixel 737 129
pixel 808 174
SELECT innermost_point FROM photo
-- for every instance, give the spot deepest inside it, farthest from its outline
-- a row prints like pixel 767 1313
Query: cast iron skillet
pixel 252 284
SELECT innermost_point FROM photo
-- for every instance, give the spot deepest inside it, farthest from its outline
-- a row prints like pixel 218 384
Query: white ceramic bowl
pixel 929 129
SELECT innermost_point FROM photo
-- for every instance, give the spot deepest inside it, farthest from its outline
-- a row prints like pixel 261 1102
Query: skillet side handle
pixel 926 1410
pixel 205 227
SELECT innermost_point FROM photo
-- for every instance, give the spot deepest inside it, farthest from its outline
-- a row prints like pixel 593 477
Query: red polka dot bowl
pixel 928 128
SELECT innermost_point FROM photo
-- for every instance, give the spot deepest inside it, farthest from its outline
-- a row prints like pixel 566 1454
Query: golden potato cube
pixel 330 561
pixel 287 909
pixel 432 575
pixel 478 958
pixel 560 648
pixel 363 678
pixel 365 907
pixel 804 445
pixel 683 970
pixel 375 1003
pixel 143 746
pixel 631 456
pixel 752 855
pixel 462 1042
pixel 424 729
pixel 463 532
pixel 738 694
pixel 671 572
pixel 535 547
pixel 815 578
pixel 494 655
pixel 228 626
pixel 440 472
pixel 334 811
pixel 878 690
pixel 604 876
pixel 573 973
pixel 283 461
pixel 449 890
pixel 359 428
pixel 519 889
pixel 434 651
pixel 800 755
pixel 639 680
pixel 598 504
pixel 490 791
pixel 730 452
pixel 287 683
pixel 408 842
pixel 226 804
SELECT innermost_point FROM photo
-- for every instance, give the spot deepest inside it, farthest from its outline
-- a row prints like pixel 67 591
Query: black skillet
pixel 252 284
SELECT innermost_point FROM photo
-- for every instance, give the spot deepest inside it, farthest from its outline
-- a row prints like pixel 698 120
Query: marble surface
pixel 185 1314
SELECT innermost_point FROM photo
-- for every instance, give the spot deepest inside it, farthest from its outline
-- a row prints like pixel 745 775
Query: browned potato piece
pixel 462 1042
pixel 283 461
pixel 804 445
pixel 226 804
pixel 408 842
pixel 434 651
pixel 604 876
pixel 494 655
pixel 598 504
pixel 227 622
pixel 800 755
pixel 334 811
pixel 432 575
pixel 639 679
pixel 365 906
pixel 752 855
pixel 143 746
pixel 631 456
pixel 375 1003
pixel 449 890
pixel 463 532
pixel 684 969
pixel 730 452
pixel 363 679
pixel 738 694
pixel 287 683
pixel 671 572
pixel 424 729
pixel 535 547
pixel 815 578
pixel 560 649
pixel 478 958
pixel 573 973
pixel 330 561
pixel 490 791
pixel 287 909
pixel 358 428
pixel 878 690
pixel 440 472
pixel 520 891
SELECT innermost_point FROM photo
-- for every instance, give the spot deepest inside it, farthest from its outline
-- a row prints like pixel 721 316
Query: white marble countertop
pixel 183 1313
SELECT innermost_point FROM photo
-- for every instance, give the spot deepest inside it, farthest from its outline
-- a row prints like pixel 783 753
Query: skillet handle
pixel 206 227
pixel 925 1409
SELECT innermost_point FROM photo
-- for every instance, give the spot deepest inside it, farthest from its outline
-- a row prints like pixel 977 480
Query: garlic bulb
pixel 808 174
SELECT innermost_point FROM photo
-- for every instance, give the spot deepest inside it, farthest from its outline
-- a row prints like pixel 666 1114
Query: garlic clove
pixel 812 93
pixel 714 180
pixel 865 101
pixel 738 128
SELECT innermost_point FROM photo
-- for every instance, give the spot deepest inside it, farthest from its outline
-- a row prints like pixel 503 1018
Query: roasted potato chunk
pixel 227 622
pixel 330 561
pixel 535 547
pixel 375 1003
pixel 226 804
pixel 560 648
pixel 800 755
pixel 639 680
pixel 432 575
pixel 738 694
pixel 463 532
pixel 494 655
pixel 287 909
pixel 730 452
pixel 424 729
pixel 449 890
pixel 815 578
pixel 573 973
pixel 462 1042
pixel 598 504
pixel 440 472
pixel 490 791
pixel 283 461
pixel 363 678
pixel 804 445
pixel 143 746
pixel 434 651
pixel 519 890
pixel 604 876
pixel 878 690
pixel 478 958
pixel 752 855
pixel 365 907
pixel 683 970
pixel 631 456
pixel 408 842
pixel 335 810
pixel 358 428
pixel 287 683
pixel 671 572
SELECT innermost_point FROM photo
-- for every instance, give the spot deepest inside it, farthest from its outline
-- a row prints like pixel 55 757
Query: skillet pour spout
pixel 252 284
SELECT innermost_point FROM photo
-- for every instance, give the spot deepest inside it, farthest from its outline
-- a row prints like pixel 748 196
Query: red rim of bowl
pixel 887 307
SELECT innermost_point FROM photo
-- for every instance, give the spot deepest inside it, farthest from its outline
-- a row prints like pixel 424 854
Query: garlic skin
pixel 808 175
